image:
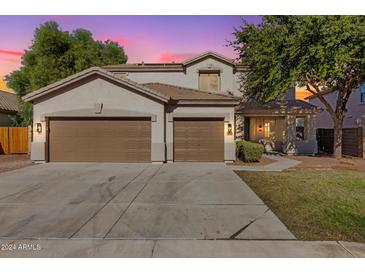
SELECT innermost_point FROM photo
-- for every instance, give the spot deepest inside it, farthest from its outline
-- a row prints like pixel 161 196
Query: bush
pixel 248 151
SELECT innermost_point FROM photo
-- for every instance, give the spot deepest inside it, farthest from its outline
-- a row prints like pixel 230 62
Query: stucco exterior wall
pixel 5 120
pixel 81 100
pixel 229 81
pixel 227 113
pixel 294 146
pixel 355 111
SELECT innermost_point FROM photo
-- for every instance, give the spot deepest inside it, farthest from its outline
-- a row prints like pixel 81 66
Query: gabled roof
pixel 163 92
pixel 208 54
pixel 183 93
pixel 8 102
pixel 89 72
pixel 174 67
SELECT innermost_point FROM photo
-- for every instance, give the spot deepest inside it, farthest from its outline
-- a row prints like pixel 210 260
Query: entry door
pixel 100 140
pixel 198 140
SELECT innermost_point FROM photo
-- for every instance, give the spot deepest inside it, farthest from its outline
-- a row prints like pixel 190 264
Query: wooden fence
pixel 13 140
pixel 352 141
pixel 325 140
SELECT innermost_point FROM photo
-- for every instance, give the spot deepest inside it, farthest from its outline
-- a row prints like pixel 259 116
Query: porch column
pixel 290 135
pixel 240 126
pixel 311 127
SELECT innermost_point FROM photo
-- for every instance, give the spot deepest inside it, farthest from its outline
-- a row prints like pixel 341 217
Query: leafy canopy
pixel 56 54
pixel 327 52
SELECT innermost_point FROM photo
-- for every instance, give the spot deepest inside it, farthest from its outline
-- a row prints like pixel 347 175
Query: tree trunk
pixel 337 138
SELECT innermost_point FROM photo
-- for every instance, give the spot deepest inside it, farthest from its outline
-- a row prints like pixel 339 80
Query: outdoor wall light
pixel 229 129
pixel 260 128
pixel 39 127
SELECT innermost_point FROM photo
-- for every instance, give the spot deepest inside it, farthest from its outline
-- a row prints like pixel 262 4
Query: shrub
pixel 248 151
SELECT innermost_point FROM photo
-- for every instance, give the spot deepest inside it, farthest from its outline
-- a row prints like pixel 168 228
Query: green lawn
pixel 314 205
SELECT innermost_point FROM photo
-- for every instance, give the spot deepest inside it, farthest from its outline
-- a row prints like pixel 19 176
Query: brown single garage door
pixel 198 140
pixel 99 140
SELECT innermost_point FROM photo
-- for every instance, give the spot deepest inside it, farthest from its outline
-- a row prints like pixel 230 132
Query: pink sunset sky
pixel 144 38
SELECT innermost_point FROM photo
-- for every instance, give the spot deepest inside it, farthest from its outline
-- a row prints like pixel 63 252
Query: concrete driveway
pixel 133 201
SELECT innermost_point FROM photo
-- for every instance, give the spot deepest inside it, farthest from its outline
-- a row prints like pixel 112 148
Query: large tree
pixel 56 54
pixel 323 53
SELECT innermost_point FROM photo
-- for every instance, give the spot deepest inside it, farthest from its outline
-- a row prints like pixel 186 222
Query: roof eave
pixel 278 111
pixel 205 102
pixel 7 111
pixel 86 73
pixel 145 69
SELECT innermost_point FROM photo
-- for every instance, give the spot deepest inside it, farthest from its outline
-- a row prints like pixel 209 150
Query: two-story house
pixel 154 112
pixel 355 115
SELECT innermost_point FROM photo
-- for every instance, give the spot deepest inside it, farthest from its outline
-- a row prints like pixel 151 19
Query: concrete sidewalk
pixel 180 248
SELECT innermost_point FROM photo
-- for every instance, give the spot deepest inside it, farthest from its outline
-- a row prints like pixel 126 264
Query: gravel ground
pixel 12 162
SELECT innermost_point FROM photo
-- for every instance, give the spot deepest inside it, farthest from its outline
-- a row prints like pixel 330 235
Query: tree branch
pixel 320 96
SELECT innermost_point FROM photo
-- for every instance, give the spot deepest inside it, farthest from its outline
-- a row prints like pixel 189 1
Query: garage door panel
pixel 198 140
pixel 100 140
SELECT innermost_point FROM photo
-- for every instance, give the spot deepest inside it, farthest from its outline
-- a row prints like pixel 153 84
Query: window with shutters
pixel 209 81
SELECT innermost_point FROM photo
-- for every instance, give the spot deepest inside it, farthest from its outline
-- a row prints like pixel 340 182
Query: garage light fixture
pixel 229 129
pixel 39 127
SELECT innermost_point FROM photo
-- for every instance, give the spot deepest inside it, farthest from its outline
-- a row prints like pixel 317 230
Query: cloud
pixel 11 52
pixel 10 60
pixel 174 57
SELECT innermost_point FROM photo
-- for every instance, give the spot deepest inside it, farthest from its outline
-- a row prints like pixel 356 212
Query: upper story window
pixel 209 81
pixel 362 93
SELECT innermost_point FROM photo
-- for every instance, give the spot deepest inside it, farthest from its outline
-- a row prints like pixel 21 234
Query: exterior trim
pixel 46 148
pixel 225 116
pixel 207 102
pixel 106 113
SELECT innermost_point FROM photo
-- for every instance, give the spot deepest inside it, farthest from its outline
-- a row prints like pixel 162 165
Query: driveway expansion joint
pixel 153 248
pixel 346 249
pixel 132 201
pixel 238 232
pixel 115 195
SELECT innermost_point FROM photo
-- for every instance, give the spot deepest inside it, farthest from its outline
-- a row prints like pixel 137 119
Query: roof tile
pixel 182 93
pixel 8 101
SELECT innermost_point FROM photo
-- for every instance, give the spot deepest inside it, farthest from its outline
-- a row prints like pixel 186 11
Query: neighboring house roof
pixel 162 92
pixel 323 93
pixel 8 102
pixel 275 106
pixel 174 67
pixel 182 93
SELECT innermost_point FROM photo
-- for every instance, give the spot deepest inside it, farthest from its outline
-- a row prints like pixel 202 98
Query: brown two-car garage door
pixel 99 140
pixel 198 140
